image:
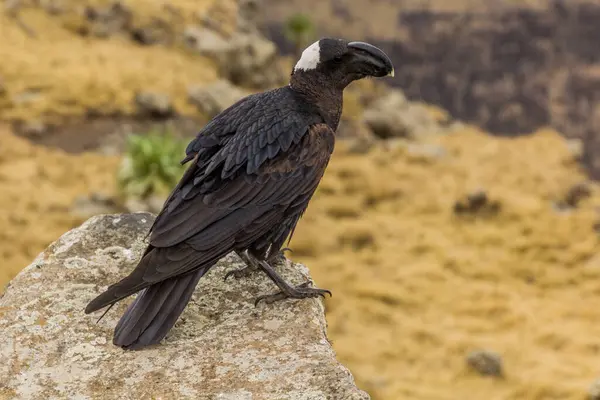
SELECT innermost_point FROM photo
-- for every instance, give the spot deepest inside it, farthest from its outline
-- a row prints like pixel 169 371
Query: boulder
pixel 154 104
pixel 215 97
pixel 486 363
pixel 223 347
pixel 245 58
pixel 392 116
pixel 107 21
pixel 594 390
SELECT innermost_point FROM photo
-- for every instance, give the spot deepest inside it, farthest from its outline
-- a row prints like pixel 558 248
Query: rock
pixel 223 347
pixel 359 137
pixel 477 203
pixel 94 204
pixel 107 21
pixel 245 59
pixel 486 362
pixel 352 128
pixel 215 97
pixel 203 40
pixel 151 34
pixel 248 13
pixel 27 96
pixel 575 147
pixel 155 105
pixel 53 7
pixel 594 391
pixel 425 151
pixel 393 116
pixel 33 129
pixel 252 62
pixel 576 194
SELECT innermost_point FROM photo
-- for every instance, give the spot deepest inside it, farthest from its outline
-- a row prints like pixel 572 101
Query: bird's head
pixel 340 62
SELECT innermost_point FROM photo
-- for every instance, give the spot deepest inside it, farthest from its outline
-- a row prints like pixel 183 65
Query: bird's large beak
pixel 366 52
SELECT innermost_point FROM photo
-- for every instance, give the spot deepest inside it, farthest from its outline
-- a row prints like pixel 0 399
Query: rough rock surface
pixel 393 116
pixel 222 348
pixel 213 98
pixel 153 104
pixel 245 59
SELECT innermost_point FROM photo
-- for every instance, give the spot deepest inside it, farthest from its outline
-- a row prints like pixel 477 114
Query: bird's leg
pixel 251 266
pixel 286 290
pixel 252 263
pixel 279 256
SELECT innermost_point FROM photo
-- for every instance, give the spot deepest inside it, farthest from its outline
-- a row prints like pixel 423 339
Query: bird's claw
pixel 299 292
pixel 282 251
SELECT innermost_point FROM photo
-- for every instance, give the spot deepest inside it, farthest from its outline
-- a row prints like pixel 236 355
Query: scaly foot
pixel 299 292
pixel 279 256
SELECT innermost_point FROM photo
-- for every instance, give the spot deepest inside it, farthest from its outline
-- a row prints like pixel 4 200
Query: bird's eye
pixel 337 59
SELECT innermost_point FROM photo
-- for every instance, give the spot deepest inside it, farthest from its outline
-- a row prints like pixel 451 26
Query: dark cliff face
pixel 508 70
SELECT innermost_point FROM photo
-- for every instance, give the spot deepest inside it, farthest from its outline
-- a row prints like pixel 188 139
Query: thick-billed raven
pixel 254 168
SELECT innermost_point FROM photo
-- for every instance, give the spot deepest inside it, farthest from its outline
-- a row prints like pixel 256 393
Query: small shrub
pixel 151 165
pixel 300 30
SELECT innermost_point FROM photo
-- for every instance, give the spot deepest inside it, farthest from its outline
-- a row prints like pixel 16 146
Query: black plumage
pixel 253 170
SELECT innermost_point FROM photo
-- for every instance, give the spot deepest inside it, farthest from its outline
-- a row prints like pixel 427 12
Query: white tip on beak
pixel 391 73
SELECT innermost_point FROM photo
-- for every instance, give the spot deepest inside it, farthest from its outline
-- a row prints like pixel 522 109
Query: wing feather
pixel 233 193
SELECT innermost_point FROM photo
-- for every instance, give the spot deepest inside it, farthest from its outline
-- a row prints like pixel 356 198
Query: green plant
pixel 151 165
pixel 300 30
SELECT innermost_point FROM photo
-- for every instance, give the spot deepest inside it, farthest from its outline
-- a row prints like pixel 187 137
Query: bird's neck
pixel 318 90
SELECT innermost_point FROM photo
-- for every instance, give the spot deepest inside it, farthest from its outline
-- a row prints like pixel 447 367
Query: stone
pixel 203 40
pixel 575 147
pixel 426 152
pixel 477 203
pixel 223 347
pixel 155 105
pixel 577 193
pixel 248 15
pixel 215 97
pixel 245 59
pixel 33 129
pixel 392 116
pixel 150 34
pixel 53 7
pixel 86 206
pixel 594 391
pixel 251 61
pixel 486 363
pixel 109 20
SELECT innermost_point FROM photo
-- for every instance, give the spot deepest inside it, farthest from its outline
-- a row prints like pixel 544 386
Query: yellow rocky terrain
pixel 415 286
pixel 37 189
pixel 54 72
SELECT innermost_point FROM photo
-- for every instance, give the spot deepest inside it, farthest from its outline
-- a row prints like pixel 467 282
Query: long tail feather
pixel 155 310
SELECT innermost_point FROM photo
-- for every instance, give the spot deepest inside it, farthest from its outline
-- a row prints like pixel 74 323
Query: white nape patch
pixel 311 56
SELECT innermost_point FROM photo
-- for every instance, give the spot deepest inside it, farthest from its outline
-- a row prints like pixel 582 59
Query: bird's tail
pixel 155 310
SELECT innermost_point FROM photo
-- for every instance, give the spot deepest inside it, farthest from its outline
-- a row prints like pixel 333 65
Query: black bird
pixel 254 168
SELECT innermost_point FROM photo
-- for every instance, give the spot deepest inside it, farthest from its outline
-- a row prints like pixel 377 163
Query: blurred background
pixel 458 223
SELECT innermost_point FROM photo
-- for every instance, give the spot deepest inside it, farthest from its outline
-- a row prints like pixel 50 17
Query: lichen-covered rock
pixel 223 347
